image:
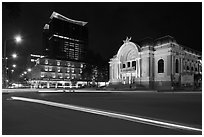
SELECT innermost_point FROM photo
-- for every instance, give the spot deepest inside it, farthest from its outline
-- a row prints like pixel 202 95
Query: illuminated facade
pixel 65 39
pixel 50 73
pixel 156 64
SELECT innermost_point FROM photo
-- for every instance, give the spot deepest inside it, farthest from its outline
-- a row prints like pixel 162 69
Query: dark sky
pixel 108 23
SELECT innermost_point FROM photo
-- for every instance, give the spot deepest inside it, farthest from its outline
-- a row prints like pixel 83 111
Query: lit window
pixel 177 66
pixel 60 76
pixel 72 70
pixel 42 75
pixel 68 64
pixel 58 63
pixel 161 66
pixel 53 75
pixel 46 68
pixel 58 69
pixel 81 65
pixel 80 70
pixel 50 68
pixel 68 70
pixel 46 61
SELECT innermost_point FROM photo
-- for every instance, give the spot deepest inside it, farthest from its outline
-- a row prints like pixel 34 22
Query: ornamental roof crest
pixel 127 40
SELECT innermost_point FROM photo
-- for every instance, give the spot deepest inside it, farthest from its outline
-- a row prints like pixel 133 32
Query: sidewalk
pixel 89 90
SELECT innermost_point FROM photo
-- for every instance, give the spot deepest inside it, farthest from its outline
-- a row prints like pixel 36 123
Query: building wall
pixel 57 69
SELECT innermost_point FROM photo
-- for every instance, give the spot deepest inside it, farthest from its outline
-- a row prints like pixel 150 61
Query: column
pixel 136 67
pixel 139 67
pixel 56 85
pixel 48 85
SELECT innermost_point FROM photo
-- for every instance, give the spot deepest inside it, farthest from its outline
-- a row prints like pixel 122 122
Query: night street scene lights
pixel 14 55
pixel 29 70
pixel 17 39
pixel 14 65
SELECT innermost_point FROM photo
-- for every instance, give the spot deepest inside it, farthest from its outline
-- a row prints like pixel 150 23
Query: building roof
pixel 165 39
pixel 61 17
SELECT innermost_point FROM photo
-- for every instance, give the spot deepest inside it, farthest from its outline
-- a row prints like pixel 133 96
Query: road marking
pixel 112 114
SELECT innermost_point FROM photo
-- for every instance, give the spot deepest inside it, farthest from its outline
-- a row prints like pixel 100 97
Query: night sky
pixel 108 23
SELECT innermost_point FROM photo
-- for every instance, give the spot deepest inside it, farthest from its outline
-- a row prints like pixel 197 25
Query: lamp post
pixel 17 39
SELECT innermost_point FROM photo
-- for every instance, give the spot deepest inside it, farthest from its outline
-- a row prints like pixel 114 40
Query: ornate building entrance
pixel 125 66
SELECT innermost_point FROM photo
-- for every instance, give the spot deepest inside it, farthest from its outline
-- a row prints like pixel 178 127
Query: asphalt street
pixel 20 117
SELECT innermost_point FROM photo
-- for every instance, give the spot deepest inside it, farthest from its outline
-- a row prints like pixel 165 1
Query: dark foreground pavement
pixel 30 118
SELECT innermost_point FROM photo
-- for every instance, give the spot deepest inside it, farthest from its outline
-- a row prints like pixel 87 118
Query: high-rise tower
pixel 65 39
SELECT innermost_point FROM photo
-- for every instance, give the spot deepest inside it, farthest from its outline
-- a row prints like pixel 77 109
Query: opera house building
pixel 156 64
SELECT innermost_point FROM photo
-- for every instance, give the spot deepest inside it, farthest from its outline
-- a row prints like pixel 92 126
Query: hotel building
pixel 65 43
pixel 65 39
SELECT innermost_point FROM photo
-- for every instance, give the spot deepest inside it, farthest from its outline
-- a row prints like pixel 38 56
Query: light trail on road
pixel 138 119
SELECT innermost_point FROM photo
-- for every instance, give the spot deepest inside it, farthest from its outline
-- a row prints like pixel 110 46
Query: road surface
pixel 20 117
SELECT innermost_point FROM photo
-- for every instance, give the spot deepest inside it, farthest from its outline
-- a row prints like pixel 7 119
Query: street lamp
pixel 17 39
pixel 14 55
pixel 14 65
pixel 29 69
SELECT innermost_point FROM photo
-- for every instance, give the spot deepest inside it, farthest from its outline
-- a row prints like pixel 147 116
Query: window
pixel 46 68
pixel 134 64
pixel 67 70
pixel 58 69
pixel 128 64
pixel 161 66
pixel 192 68
pixel 46 61
pixel 123 65
pixel 177 66
pixel 60 76
pixel 58 63
pixel 81 65
pixel 196 69
pixel 53 75
pixel 50 68
pixel 187 68
pixel 42 75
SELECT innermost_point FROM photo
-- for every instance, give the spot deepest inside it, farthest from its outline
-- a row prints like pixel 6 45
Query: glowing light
pixel 29 69
pixel 18 38
pixel 14 55
pixel 14 65
pixel 25 72
pixel 138 119
pixel 61 17
pixel 12 70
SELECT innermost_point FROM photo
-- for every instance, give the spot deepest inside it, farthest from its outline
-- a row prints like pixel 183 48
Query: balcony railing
pixel 128 69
